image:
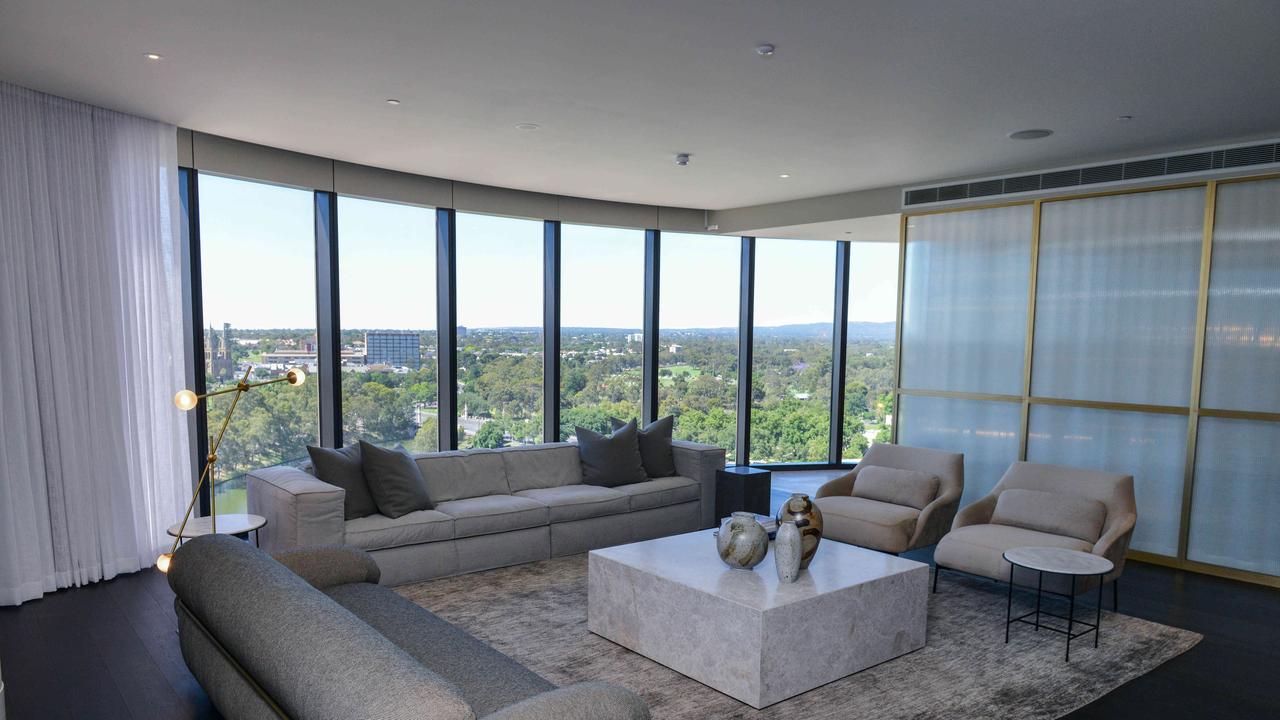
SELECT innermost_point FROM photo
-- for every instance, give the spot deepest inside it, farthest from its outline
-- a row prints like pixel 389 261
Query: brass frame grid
pixel 1193 411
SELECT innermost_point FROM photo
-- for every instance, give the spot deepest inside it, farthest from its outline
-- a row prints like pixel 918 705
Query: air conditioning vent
pixel 1243 156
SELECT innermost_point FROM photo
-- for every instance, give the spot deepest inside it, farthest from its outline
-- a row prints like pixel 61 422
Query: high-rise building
pixel 394 349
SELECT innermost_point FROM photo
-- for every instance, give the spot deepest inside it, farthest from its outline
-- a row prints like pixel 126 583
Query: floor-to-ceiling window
pixel 791 348
pixel 869 355
pixel 601 326
pixel 499 295
pixel 387 285
pixel 257 256
pixel 698 336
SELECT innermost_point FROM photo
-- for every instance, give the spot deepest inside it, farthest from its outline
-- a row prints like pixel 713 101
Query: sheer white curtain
pixel 93 463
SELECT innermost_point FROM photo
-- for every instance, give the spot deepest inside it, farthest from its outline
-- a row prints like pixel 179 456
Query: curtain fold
pixel 93 463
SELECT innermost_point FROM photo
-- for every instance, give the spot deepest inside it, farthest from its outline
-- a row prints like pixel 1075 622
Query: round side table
pixel 1060 561
pixel 230 524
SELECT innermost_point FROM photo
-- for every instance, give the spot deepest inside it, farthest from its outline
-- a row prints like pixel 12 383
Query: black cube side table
pixel 741 488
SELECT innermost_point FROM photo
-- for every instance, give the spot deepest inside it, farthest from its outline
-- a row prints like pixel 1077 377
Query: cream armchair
pixel 1043 505
pixel 894 511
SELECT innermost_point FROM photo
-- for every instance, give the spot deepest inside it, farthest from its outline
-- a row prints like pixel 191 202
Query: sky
pixel 258 258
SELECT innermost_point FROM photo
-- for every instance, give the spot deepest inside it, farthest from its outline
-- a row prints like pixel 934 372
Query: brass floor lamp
pixel 188 400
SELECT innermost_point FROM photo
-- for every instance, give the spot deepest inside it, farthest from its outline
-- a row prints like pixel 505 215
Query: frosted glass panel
pixel 1242 338
pixel 1235 508
pixel 1151 447
pixel 964 314
pixel 1116 297
pixel 985 431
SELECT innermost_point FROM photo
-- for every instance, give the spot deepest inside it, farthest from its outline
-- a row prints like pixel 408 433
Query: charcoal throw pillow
pixel 342 468
pixel 655 445
pixel 394 480
pixel 611 460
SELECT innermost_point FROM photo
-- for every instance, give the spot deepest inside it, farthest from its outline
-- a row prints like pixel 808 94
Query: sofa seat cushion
pixel 493 514
pixel 979 549
pixel 484 677
pixel 898 487
pixel 542 466
pixel 661 492
pixel 377 532
pixel 579 502
pixel 1049 512
pixel 868 523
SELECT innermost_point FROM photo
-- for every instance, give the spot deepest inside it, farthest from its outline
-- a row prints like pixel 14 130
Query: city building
pixel 991 288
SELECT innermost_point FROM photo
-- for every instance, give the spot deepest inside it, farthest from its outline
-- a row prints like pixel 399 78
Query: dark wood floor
pixel 110 650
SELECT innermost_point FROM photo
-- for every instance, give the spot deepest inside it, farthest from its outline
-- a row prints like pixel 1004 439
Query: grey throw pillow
pixel 342 468
pixel 394 480
pixel 611 460
pixel 655 445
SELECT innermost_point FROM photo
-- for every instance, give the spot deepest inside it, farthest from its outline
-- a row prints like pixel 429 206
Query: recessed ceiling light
pixel 527 127
pixel 1124 118
pixel 682 159
pixel 153 56
pixel 765 50
pixel 1034 134
pixel 784 176
pixel 392 101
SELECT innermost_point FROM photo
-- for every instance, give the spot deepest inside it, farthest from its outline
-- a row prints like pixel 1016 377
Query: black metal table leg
pixel 1039 592
pixel 1097 628
pixel 1008 612
pixel 1071 616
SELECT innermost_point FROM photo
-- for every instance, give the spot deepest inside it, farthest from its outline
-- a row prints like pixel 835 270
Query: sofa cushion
pixel 486 679
pixel 656 455
pixel 394 480
pixel 610 460
pixel 661 492
pixel 979 549
pixel 342 468
pixel 376 532
pixel 578 502
pixel 1053 513
pixel 868 523
pixel 493 514
pixel 900 487
pixel 459 474
pixel 542 466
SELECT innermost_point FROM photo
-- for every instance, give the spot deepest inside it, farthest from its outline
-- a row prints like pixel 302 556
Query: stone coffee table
pixel 745 633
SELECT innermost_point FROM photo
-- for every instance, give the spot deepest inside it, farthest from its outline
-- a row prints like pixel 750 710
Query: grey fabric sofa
pixel 893 527
pixel 492 508
pixel 1052 506
pixel 313 636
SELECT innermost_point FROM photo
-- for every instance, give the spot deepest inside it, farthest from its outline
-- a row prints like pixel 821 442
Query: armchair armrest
pixel 329 565
pixel 842 485
pixel 979 513
pixel 1115 541
pixel 700 462
pixel 935 520
pixel 583 701
pixel 299 508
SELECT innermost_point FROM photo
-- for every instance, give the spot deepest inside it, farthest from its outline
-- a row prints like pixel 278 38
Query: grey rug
pixel 537 614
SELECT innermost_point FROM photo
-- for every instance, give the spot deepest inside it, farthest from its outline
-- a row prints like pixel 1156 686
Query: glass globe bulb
pixel 162 562
pixel 185 400
pixel 296 376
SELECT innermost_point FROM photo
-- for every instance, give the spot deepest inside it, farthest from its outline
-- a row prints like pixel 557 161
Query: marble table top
pixel 1059 560
pixel 229 524
pixel 691 560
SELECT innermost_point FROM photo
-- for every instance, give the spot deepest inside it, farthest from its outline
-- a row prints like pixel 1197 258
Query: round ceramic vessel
pixel 808 519
pixel 742 542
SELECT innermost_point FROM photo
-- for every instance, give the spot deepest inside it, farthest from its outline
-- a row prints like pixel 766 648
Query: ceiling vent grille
pixel 1244 156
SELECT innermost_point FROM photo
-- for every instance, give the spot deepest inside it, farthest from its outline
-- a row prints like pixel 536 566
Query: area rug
pixel 537 614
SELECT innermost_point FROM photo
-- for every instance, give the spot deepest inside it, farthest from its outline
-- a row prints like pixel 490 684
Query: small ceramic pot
pixel 742 542
pixel 808 519
pixel 787 550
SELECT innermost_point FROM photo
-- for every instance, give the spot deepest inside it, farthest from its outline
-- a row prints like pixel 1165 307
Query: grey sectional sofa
pixel 310 635
pixel 492 508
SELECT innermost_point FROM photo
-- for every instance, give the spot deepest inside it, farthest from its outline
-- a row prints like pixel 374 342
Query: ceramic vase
pixel 808 519
pixel 742 542
pixel 787 549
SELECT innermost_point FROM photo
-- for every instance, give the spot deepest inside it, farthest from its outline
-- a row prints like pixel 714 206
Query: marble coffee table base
pixel 741 633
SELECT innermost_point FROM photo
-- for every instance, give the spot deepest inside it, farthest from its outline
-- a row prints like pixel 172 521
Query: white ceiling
pixel 858 95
